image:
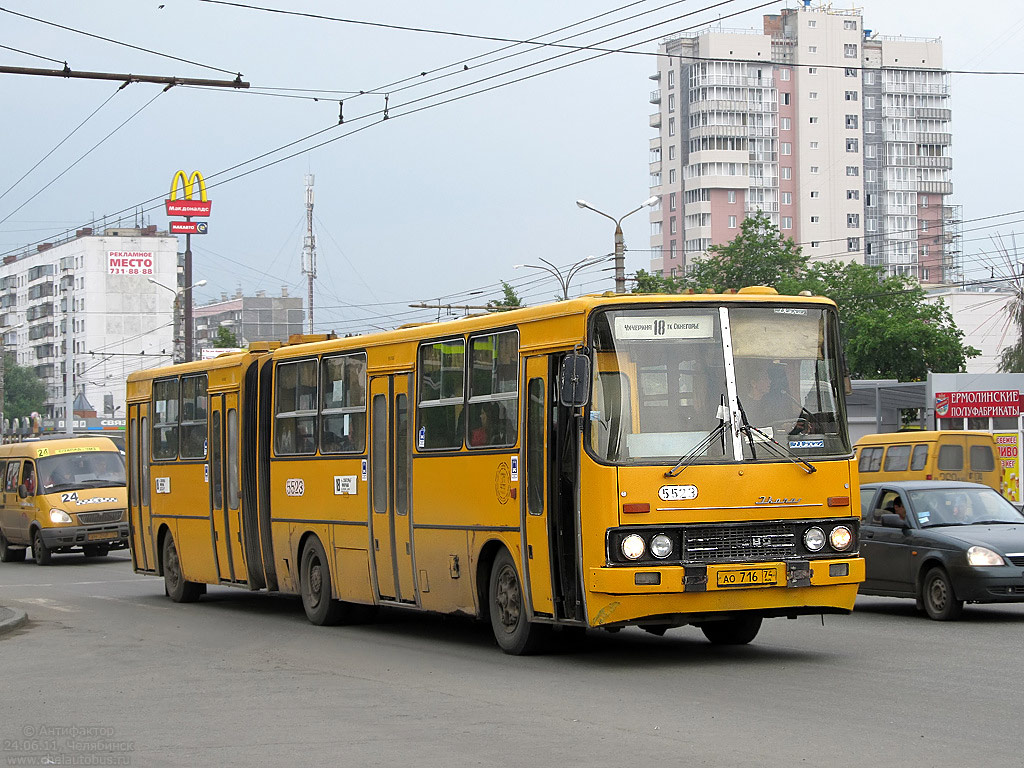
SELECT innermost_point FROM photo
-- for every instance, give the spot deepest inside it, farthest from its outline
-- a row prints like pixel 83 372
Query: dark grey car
pixel 942 543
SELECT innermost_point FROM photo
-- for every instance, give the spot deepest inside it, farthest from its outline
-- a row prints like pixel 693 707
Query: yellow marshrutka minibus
pixel 61 495
pixel 601 462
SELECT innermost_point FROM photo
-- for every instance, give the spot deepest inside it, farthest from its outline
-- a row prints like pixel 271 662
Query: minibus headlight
pixel 840 538
pixel 661 546
pixel 59 516
pixel 633 547
pixel 814 539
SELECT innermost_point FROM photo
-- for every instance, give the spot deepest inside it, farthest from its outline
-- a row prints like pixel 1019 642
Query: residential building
pixel 250 318
pixel 840 135
pixel 94 290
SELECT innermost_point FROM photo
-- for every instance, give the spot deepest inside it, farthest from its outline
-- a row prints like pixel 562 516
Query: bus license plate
pixel 748 577
pixel 102 535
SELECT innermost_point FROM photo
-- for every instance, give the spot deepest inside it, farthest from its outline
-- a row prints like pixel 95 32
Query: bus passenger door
pixel 215 486
pixel 140 512
pixel 402 484
pixel 535 526
pixel 382 527
pixel 232 487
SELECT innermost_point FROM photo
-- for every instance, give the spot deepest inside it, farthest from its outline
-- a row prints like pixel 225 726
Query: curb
pixel 11 618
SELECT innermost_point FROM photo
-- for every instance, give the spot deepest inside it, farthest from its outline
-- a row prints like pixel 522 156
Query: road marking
pixel 130 602
pixel 71 583
pixel 46 602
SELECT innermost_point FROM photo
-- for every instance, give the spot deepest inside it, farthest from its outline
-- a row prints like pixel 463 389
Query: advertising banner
pixel 131 262
pixel 963 405
pixel 1009 459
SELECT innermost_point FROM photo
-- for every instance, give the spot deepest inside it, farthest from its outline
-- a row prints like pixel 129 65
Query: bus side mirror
pixel 574 380
pixel 23 491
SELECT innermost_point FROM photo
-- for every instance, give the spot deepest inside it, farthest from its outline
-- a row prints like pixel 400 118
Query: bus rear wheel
pixel 317 598
pixel 9 554
pixel 513 631
pixel 732 631
pixel 175 585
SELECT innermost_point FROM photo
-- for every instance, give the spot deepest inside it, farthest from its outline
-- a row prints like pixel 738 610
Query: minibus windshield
pixel 80 469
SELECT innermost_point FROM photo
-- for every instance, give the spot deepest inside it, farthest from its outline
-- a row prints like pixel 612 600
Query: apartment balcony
pixel 935 162
pixel 739 131
pixel 940 89
pixel 767 207
pixel 656 97
pixel 943 139
pixel 933 113
pixel 935 187
pixel 762 132
pixel 656 120
pixel 719 105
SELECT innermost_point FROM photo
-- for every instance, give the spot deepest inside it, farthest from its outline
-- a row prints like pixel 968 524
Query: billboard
pixel 131 262
pixel 961 405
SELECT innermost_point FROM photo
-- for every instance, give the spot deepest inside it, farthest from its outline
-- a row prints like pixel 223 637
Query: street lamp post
pixel 620 244
pixel 563 280
pixel 178 294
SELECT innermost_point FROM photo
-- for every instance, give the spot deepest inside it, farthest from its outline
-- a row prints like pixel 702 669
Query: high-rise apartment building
pixel 839 135
pixel 250 318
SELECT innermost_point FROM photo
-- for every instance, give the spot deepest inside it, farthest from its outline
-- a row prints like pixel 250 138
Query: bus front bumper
pixel 110 535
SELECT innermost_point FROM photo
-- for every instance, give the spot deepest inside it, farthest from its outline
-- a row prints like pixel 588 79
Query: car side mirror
pixel 23 491
pixel 892 520
pixel 574 380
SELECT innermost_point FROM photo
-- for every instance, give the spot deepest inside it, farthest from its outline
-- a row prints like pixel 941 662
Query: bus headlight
pixel 814 539
pixel 59 516
pixel 633 547
pixel 841 538
pixel 661 546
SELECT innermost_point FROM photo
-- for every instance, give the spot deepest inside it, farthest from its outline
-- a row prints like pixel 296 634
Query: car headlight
pixel 983 556
pixel 661 546
pixel 633 547
pixel 840 538
pixel 814 539
pixel 59 516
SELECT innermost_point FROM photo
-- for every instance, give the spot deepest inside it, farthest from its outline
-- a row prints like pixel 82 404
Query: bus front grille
pixel 101 516
pixel 739 542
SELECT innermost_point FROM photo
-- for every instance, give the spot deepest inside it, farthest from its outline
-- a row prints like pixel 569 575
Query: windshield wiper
pixel 777 448
pixel 704 444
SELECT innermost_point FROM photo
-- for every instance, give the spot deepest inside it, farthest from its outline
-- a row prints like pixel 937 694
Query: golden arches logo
pixel 187 185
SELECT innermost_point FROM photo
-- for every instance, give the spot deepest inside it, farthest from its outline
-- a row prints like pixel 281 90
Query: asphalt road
pixel 109 667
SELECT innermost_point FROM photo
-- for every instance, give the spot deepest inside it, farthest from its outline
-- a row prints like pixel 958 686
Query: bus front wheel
pixel 513 631
pixel 732 631
pixel 175 585
pixel 9 554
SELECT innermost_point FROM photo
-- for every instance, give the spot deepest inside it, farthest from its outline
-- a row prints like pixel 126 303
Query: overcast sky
pixel 441 202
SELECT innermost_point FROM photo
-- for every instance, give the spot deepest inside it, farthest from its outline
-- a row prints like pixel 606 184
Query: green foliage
pixel 509 300
pixel 1011 359
pixel 651 282
pixel 225 338
pixel 758 255
pixel 24 392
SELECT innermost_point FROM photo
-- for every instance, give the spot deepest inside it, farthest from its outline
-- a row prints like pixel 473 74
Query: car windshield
pixel 962 506
pixel 661 384
pixel 81 469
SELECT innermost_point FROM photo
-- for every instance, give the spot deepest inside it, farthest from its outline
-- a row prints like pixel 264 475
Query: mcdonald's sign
pixel 187 205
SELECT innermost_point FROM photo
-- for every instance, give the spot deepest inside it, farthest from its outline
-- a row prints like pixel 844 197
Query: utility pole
pixel 309 249
pixel 69 349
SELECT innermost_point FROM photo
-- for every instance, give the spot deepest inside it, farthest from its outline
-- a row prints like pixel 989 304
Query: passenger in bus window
pixel 480 434
pixel 762 395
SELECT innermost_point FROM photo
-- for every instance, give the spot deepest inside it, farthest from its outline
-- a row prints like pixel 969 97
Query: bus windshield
pixel 81 469
pixel 666 385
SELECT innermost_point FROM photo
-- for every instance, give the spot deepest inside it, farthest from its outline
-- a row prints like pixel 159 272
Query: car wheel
pixel 515 634
pixel 732 631
pixel 41 554
pixel 9 554
pixel 940 602
pixel 175 585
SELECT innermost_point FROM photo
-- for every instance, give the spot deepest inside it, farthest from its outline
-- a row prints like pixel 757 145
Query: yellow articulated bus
pixel 601 462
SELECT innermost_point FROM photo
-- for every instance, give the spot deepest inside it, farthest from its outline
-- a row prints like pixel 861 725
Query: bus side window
pixel 896 458
pixel 12 476
pixel 870 459
pixel 951 458
pixel 919 459
pixel 982 458
pixel 441 389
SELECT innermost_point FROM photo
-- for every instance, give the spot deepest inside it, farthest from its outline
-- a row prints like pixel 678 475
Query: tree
pixel 510 299
pixel 225 338
pixel 889 329
pixel 758 255
pixel 23 390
